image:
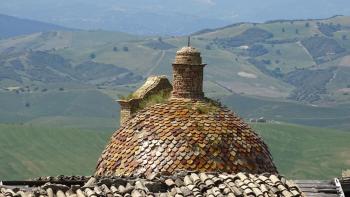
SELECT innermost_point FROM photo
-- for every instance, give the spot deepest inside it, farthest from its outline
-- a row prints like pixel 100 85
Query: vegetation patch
pixel 248 37
pixel 104 74
pixel 126 97
pixel 45 67
pixel 328 29
pixel 310 84
pixel 159 97
pixel 322 49
pixel 262 65
pixel 257 50
pixel 159 45
pixel 209 106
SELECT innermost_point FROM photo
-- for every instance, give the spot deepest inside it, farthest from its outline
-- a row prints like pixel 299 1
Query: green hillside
pixel 30 152
pixel 290 71
pixel 61 106
pixel 274 59
pixel 250 107
pixel 307 152
pixel 299 152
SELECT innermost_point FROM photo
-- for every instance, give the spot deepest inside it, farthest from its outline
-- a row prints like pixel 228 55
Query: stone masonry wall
pixel 188 81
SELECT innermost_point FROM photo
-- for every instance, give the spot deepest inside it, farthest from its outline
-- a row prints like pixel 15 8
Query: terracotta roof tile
pixel 180 184
pixel 184 134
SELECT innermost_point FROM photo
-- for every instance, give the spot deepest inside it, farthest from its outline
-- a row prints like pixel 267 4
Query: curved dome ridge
pixel 185 134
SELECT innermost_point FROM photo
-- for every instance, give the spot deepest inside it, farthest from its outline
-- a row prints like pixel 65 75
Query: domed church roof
pixel 187 132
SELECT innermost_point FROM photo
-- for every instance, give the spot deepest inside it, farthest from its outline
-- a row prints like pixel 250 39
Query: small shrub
pixel 115 49
pixel 92 55
pixel 160 97
pixel 125 48
pixel 27 104
pixel 268 62
pixel 278 52
pixel 127 97
pixel 206 108
pixel 307 25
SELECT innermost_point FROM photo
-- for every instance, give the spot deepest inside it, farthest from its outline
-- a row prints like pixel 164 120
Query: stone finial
pixel 188 74
pixel 188 56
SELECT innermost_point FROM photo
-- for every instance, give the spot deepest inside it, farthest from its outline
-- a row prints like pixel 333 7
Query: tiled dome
pixel 184 134
pixel 188 132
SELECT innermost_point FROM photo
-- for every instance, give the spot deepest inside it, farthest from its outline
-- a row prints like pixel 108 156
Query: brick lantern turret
pixel 188 74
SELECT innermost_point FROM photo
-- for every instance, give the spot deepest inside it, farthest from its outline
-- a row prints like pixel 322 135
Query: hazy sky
pixel 127 15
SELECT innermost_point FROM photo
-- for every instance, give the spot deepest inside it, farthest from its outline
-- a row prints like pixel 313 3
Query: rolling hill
pixel 299 152
pixel 12 26
pixel 289 65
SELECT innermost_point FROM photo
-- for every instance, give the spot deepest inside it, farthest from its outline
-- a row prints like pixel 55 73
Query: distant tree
pixel 44 90
pixel 268 62
pixel 207 47
pixel 297 31
pixel 92 55
pixel 236 59
pixel 277 70
pixel 125 48
pixel 278 52
pixel 61 89
pixel 254 24
pixel 292 22
pixel 160 39
pixel 27 104
pixel 348 86
pixel 283 30
pixel 307 24
pixel 344 37
pixel 115 49
pixel 277 61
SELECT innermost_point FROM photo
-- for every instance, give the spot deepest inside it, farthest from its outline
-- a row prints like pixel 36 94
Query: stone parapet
pixel 152 86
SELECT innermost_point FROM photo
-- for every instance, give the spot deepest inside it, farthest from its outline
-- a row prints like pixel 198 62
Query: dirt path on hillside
pixel 306 51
